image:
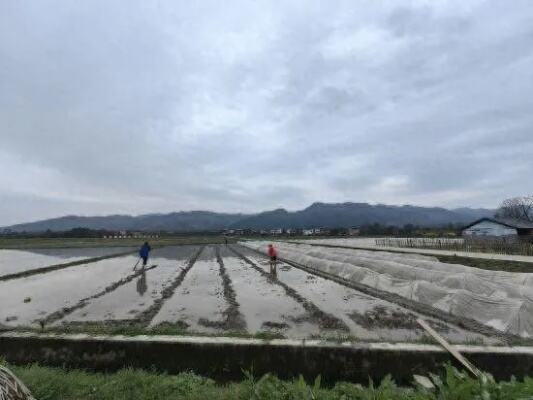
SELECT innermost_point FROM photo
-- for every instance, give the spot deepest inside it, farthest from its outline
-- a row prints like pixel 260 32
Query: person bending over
pixel 273 254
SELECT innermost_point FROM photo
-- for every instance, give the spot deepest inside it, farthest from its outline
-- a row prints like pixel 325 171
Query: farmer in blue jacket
pixel 144 252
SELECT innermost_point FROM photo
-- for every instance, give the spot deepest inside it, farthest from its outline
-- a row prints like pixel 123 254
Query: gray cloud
pixel 108 107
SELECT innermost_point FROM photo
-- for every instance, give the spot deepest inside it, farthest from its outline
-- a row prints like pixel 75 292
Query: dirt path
pixel 369 244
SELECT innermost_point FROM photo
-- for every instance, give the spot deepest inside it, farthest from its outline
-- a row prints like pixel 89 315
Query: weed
pixel 55 383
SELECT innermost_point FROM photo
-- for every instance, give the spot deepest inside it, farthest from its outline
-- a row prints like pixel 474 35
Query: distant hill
pixel 316 215
pixel 356 214
pixel 176 221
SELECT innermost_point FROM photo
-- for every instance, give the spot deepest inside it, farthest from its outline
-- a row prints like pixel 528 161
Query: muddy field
pixel 212 289
pixel 14 261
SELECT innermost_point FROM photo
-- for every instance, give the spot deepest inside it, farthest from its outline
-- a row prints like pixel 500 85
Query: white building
pixel 498 227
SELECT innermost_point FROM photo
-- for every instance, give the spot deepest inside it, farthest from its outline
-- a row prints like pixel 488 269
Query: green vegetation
pixel 132 329
pixel 11 242
pixel 55 383
pixel 489 264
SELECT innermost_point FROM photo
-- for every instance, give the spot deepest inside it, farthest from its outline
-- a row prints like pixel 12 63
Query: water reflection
pixel 75 252
pixel 142 286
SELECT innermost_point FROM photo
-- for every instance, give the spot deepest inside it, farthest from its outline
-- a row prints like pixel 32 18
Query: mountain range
pixel 327 215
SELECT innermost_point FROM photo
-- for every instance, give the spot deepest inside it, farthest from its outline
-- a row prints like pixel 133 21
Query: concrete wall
pixel 225 358
pixel 489 228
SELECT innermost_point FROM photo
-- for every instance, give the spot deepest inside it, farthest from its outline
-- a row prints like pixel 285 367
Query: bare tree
pixel 518 208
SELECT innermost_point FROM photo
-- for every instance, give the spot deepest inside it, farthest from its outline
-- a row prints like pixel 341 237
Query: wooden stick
pixel 467 364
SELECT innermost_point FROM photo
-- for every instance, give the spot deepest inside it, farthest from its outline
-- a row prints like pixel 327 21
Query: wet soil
pixel 60 314
pixel 234 320
pixel 199 302
pixel 58 290
pixel 265 306
pixel 274 325
pixel 368 317
pixel 131 298
pixel 145 318
pixel 25 263
pixel 382 317
pixel 325 320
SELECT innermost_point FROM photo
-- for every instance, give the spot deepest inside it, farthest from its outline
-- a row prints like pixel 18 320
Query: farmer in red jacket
pixel 273 254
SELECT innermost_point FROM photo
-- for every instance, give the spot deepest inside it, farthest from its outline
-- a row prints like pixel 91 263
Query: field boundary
pixel 225 358
pixel 426 252
pixel 233 318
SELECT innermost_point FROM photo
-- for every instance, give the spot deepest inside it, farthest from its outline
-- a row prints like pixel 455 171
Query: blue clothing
pixel 144 251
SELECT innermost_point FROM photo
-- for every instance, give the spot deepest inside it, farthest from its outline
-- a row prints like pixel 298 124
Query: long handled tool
pixel 137 263
pixel 467 364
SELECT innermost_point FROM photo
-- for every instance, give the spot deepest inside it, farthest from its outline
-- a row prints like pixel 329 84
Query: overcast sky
pixel 154 106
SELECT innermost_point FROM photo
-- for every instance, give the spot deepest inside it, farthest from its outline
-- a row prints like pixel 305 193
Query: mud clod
pixel 382 318
pixel 274 325
pixel 234 321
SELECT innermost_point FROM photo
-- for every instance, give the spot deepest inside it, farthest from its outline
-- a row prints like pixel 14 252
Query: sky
pixel 135 107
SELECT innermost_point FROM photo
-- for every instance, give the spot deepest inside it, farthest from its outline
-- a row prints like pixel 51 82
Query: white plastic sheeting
pixel 502 300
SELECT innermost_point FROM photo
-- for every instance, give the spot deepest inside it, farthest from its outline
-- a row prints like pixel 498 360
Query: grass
pixel 488 264
pixel 136 330
pixel 131 330
pixel 57 383
pixel 29 243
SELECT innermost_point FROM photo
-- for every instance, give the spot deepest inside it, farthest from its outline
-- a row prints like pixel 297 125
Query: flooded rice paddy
pixel 14 261
pixel 205 290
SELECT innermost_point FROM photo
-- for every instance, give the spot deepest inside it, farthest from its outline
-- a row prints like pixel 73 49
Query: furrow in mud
pixel 420 308
pixel 146 316
pixel 57 315
pixel 56 267
pixel 234 320
pixel 325 320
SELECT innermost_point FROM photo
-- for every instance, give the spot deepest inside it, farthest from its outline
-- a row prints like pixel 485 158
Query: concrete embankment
pixel 225 358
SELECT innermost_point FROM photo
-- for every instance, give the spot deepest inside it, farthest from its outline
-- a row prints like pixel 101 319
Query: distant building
pixel 354 231
pixel 277 231
pixel 307 232
pixel 499 227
